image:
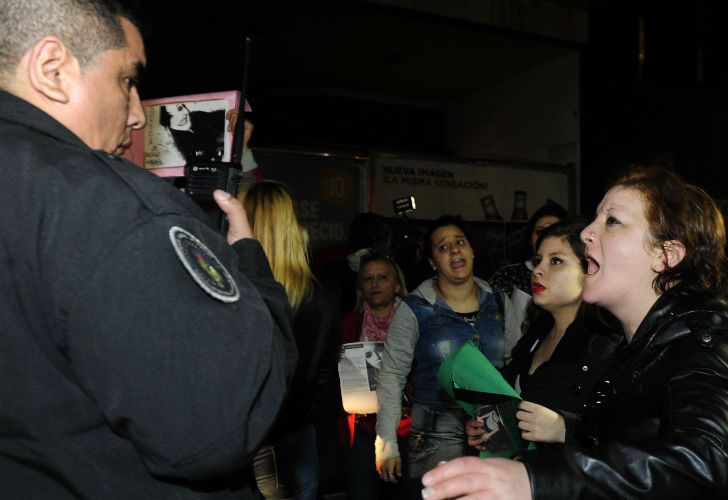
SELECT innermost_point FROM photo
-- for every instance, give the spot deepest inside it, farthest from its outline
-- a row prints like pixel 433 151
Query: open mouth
pixel 592 266
pixel 537 287
pixel 457 263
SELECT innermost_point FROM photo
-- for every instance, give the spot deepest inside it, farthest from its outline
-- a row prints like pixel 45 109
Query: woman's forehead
pixel 554 244
pixel 444 232
pixel 621 198
pixel 376 266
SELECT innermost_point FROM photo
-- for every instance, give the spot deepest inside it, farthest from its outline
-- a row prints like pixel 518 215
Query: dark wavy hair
pixel 445 220
pixel 678 211
pixel 165 119
pixel 551 208
pixel 568 230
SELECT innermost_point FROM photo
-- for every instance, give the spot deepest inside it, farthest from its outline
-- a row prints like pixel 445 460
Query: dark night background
pixel 672 111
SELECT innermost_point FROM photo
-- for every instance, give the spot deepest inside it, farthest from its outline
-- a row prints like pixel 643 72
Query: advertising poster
pixel 474 191
pixel 327 192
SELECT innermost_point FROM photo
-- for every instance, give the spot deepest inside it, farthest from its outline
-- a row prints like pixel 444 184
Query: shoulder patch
pixel 203 266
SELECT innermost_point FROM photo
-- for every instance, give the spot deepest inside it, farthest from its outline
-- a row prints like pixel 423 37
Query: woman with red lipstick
pixel 431 323
pixel 567 347
pixel 515 279
pixel 656 426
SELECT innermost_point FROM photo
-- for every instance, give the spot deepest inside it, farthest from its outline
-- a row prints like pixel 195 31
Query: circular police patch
pixel 203 266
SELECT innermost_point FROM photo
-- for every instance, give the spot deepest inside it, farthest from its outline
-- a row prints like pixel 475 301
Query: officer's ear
pixel 52 69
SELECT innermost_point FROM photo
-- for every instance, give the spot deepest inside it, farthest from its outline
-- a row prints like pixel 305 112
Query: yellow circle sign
pixel 336 187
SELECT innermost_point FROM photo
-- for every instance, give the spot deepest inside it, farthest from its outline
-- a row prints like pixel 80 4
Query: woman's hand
pixel 390 470
pixel 539 424
pixel 475 430
pixel 232 116
pixel 490 478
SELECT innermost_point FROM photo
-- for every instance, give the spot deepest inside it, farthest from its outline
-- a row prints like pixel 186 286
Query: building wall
pixel 556 20
pixel 531 116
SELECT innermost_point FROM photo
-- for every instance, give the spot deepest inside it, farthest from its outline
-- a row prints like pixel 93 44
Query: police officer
pixel 141 354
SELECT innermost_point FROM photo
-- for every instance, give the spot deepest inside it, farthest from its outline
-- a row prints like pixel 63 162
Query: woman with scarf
pixel 381 285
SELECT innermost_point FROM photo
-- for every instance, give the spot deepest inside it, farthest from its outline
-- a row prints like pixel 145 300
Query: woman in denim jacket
pixel 433 322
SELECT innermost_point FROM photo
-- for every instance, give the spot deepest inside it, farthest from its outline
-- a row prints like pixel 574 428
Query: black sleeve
pixel 193 382
pixel 571 420
pixel 318 325
pixel 332 340
pixel 688 460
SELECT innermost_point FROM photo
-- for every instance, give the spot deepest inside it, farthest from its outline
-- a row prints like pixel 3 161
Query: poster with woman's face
pixel 373 356
pixel 185 132
pixel 359 375
pixel 182 130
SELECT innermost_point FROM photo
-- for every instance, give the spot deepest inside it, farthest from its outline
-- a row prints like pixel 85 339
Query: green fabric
pixel 468 369
pixel 472 381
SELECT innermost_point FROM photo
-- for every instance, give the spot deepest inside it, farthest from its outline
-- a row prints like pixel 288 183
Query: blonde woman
pixel 288 466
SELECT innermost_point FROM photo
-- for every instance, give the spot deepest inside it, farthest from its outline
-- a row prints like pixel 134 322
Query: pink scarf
pixel 374 328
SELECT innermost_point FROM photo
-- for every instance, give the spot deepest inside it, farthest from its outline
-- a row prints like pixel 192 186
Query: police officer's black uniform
pixel 141 356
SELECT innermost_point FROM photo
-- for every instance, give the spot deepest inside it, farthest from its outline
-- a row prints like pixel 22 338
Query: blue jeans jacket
pixel 423 333
pixel 442 332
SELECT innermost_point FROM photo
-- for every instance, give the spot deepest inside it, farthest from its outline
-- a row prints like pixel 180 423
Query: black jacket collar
pixel 682 313
pixel 19 111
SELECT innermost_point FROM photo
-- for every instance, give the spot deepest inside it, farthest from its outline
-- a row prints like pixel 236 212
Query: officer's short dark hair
pixel 86 27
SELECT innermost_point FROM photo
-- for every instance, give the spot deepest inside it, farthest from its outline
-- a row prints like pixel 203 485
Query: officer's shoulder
pixel 157 194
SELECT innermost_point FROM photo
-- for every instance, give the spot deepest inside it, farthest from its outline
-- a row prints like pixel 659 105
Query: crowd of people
pixel 145 355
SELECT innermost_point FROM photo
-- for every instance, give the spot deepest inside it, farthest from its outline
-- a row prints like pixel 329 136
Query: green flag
pixel 479 388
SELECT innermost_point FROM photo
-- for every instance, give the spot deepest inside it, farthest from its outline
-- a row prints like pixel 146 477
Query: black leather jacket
pixel 657 426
